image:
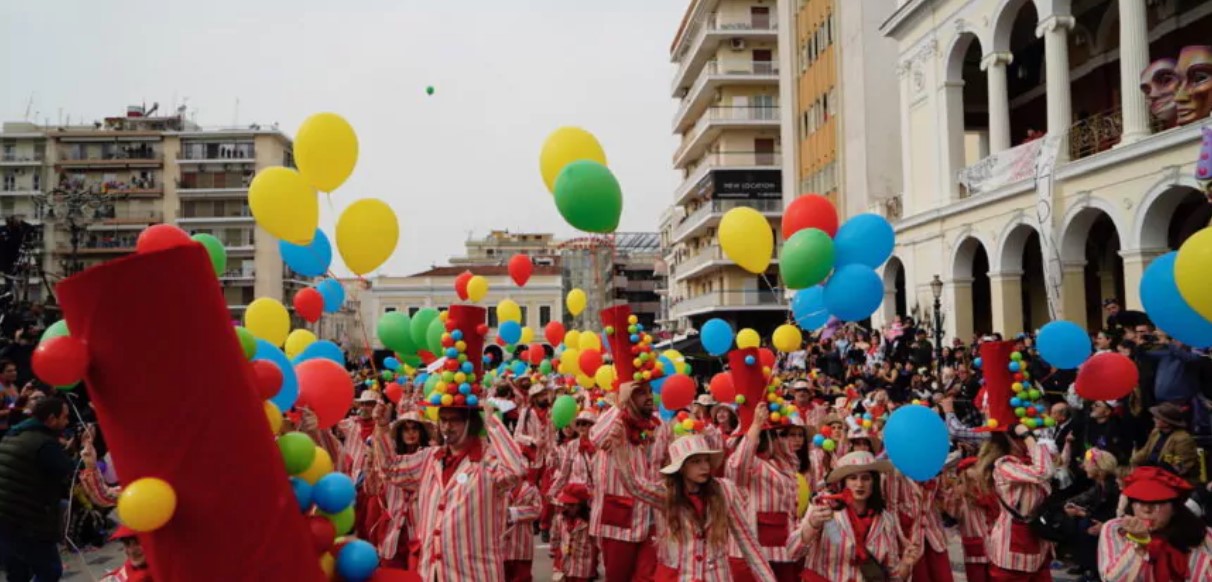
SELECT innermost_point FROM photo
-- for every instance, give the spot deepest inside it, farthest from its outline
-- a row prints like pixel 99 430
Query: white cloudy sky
pixel 465 160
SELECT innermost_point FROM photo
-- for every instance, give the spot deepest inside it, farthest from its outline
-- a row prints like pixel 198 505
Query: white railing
pixel 724 300
pixel 698 218
pixel 764 114
pixel 716 69
pixel 698 34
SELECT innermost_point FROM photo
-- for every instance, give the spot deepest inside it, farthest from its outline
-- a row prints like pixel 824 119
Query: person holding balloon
pixel 970 501
pixel 524 506
pixel 918 505
pixel 827 442
pixel 393 530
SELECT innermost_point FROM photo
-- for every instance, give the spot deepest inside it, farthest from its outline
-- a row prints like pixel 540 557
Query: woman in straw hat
pixel 410 434
pixel 1159 540
pixel 698 515
pixel 822 460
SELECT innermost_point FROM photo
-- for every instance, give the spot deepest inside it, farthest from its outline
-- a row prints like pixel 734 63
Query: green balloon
pixel 429 90
pixel 545 367
pixel 298 451
pixel 342 521
pixel 57 329
pixel 420 327
pixel 214 248
pixel 589 197
pixel 433 337
pixel 806 259
pixel 387 376
pixel 248 341
pixel 395 331
pixel 411 360
pixel 563 411
pixel 430 382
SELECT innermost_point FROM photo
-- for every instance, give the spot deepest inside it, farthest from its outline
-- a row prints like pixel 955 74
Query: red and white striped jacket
pixel 821 463
pixel 351 453
pixel 919 504
pixel 99 493
pixel 540 431
pixel 578 551
pixel 524 506
pixel 575 466
pixel 830 551
pixel 624 520
pixel 1120 561
pixel 1024 485
pixel 461 524
pixel 696 559
pixel 973 520
pixel 769 487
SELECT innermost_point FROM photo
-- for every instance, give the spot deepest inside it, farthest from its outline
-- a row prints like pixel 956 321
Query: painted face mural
pixel 1159 81
pixel 1193 99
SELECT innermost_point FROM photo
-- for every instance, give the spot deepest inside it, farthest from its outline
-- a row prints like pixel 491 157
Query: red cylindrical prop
pixel 748 381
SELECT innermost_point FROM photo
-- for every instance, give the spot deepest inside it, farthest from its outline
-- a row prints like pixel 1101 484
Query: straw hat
pixel 857 462
pixel 413 416
pixel 705 400
pixel 689 446
pixel 586 416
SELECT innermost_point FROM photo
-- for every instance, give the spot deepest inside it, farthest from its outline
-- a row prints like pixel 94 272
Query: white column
pixel 1055 32
pixel 994 66
pixel 1133 58
pixel 952 105
pixel 908 204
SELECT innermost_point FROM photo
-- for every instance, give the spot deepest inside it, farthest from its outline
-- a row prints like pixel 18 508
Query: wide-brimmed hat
pixel 689 446
pixel 857 462
pixel 413 416
pixel 1171 413
pixel 368 396
pixel 705 400
pixel 800 385
pixel 586 416
pixel 1154 484
pixel 537 389
pixel 573 493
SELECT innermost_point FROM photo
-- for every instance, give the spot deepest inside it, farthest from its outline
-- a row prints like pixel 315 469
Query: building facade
pixel 1049 149
pixel 501 245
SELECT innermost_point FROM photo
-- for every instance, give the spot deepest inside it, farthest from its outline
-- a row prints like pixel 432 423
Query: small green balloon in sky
pixel 429 90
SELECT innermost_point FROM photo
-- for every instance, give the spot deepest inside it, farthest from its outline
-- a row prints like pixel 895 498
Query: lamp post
pixel 936 287
pixel 76 205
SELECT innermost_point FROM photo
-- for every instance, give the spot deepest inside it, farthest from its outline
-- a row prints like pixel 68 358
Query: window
pixel 389 310
pixel 10 181
pixel 413 311
pixel 37 180
pixel 525 319
pixel 492 318
pixel 544 315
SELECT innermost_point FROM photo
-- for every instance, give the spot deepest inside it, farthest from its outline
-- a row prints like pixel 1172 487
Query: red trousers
pixel 518 570
pixel 627 561
pixel 1000 575
pixel 975 548
pixel 932 566
pixel 977 572
pixel 665 574
pixel 783 571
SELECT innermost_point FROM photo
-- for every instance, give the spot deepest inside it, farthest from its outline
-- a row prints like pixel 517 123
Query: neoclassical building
pixel 1049 152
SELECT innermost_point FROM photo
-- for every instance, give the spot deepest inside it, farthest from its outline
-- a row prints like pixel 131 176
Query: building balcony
pixel 125 220
pixel 716 119
pixel 221 153
pixel 195 193
pixel 14 160
pixel 237 216
pixel 704 37
pixel 720 161
pixel 716 74
pixel 238 277
pixel 710 258
pixel 144 158
pixel 18 191
pixel 716 301
pixel 122 245
pixel 709 215
pixel 239 248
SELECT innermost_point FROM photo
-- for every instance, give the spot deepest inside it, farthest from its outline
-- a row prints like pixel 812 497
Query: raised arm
pixel 400 470
pixel 641 487
pixel 1039 472
pixel 98 492
pixel 741 464
pixel 511 463
pixel 743 533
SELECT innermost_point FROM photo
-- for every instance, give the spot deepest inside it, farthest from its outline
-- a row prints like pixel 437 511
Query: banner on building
pixel 1000 169
pixel 1044 165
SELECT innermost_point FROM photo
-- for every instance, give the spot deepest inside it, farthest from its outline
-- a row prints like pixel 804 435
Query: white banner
pixel 1045 165
pixel 1002 168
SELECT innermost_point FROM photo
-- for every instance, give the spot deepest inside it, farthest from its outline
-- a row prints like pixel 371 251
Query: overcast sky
pixel 465 160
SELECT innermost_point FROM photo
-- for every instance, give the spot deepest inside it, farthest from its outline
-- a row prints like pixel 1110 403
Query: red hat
pixel 122 533
pixel 1153 484
pixel 465 324
pixel 573 493
pixel 749 381
pixel 965 463
pixel 995 363
pixel 617 325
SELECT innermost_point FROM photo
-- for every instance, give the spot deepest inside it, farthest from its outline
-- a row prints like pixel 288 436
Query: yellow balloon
pixel 748 338
pixel 328 565
pixel 1191 272
pixel 571 358
pixel 297 341
pixel 326 150
pixel 585 381
pixel 147 504
pixel 431 412
pixel 320 466
pixel 367 233
pixel 787 338
pixel 508 310
pixel 572 339
pixel 527 336
pixel 803 494
pixel 605 377
pixel 274 417
pixel 589 341
pixel 746 238
pixel 477 288
pixel 284 204
pixel 674 356
pixel 564 146
pixel 268 319
pixel 576 302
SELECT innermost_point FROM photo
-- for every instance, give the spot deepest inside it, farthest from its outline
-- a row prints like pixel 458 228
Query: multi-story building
pixel 624 267
pixel 727 79
pixel 1049 151
pixel 500 245
pixel 23 178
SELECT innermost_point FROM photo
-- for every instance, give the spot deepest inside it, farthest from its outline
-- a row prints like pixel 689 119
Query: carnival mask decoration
pixel 1159 81
pixel 1193 99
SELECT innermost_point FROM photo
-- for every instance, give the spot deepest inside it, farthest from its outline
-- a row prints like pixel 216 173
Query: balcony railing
pixel 14 158
pixel 111 155
pixel 696 218
pixel 725 300
pixel 238 274
pixel 192 213
pixel 699 169
pixel 726 114
pixel 220 152
pixel 716 24
pixel 726 69
pixel 127 217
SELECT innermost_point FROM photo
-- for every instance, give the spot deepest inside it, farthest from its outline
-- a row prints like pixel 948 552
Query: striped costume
pixel 579 553
pixel 917 506
pixel 1122 560
pixel 99 493
pixel 974 522
pixel 770 488
pixel 536 426
pixel 524 504
pixel 625 521
pixel 1024 485
pixel 830 552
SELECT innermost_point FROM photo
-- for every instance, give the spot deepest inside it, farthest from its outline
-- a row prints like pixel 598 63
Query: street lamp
pixel 76 205
pixel 936 287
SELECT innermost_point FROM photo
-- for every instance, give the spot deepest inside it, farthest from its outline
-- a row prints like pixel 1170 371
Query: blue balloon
pixel 818 439
pixel 666 414
pixel 1167 308
pixel 1063 344
pixel 333 492
pixel 668 368
pixel 309 260
pixel 808 308
pixel 357 561
pixel 917 442
pixel 289 393
pixel 716 337
pixel 976 363
pixel 510 332
pixel 520 368
pixel 302 492
pixel 853 293
pixel 1015 366
pixel 390 363
pixel 322 349
pixel 866 239
pixel 333 293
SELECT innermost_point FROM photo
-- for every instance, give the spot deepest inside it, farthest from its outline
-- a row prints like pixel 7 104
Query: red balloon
pixel 678 392
pixel 809 211
pixel 721 387
pixel 269 378
pixel 555 333
pixel 309 304
pixel 590 361
pixel 1107 376
pixel 826 431
pixel 394 392
pixel 536 354
pixel 520 269
pixel 161 236
pixel 60 361
pixel 326 388
pixel 766 357
pixel 323 533
pixel 461 284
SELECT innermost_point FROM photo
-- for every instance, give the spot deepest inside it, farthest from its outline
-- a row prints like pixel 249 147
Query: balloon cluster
pixel 824 439
pixel 586 192
pixel 1178 303
pixel 458 384
pixel 1026 401
pixel 327 498
pixel 644 360
pixel 687 425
